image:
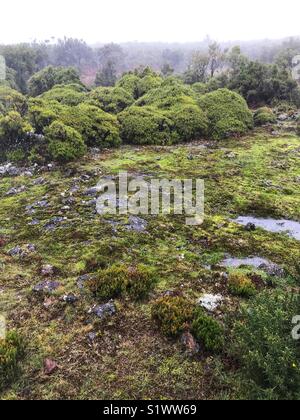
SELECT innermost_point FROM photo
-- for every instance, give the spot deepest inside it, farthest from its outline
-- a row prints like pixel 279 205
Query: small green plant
pixel 121 280
pixel 241 285
pixel 208 331
pixel 263 116
pixel 173 314
pixel 11 352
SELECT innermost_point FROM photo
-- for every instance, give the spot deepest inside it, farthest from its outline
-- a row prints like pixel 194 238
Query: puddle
pixel 272 225
pixel 255 262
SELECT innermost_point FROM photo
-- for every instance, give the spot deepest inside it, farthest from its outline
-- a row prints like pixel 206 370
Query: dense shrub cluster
pixel 139 82
pixel 72 94
pixel 11 352
pixel 14 133
pixel 121 280
pixel 263 344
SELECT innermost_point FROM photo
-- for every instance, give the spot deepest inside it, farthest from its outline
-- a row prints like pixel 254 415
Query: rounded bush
pixel 43 113
pixel 208 331
pixel 112 99
pixel 129 82
pixel 64 143
pixel 263 116
pixel 98 128
pixel 12 100
pixel 173 314
pixel 121 280
pixel 228 113
pixel 146 125
pixel 171 93
pixel 190 122
pixel 14 132
pixel 71 95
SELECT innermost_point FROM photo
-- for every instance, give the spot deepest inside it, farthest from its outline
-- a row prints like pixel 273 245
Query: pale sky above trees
pixel 143 20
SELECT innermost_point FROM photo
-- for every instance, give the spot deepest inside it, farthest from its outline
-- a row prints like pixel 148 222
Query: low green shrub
pixel 43 113
pixel 190 122
pixel 228 113
pixel 241 285
pixel 263 344
pixel 111 99
pixel 208 331
pixel 98 128
pixel 263 116
pixel 12 100
pixel 146 125
pixel 122 280
pixel 12 350
pixel 71 95
pixel 173 314
pixel 14 133
pixel 64 143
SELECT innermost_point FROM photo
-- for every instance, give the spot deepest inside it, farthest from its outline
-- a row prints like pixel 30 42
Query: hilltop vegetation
pixel 147 307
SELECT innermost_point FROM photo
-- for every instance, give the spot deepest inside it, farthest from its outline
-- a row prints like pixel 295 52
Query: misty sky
pixel 151 20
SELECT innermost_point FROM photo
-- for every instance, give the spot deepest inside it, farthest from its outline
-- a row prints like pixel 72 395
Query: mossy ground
pixel 130 358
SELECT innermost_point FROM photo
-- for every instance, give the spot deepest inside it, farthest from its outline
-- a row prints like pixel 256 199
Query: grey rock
pixel 46 286
pixel 210 302
pixel 102 311
pixel 47 270
pixel 17 190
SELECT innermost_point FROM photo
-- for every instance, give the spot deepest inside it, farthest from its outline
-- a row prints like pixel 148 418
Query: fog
pixel 156 20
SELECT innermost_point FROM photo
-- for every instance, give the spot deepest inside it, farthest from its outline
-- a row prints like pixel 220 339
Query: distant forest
pixel 110 61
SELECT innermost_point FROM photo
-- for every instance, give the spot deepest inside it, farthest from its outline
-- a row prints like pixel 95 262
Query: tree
pixel 107 76
pixel 197 70
pixel 216 58
pixel 111 53
pixel 167 70
pixel 72 52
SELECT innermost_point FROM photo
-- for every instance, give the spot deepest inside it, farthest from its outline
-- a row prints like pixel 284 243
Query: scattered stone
pixel 70 298
pixel 92 191
pixel 83 279
pixel 92 336
pixel 137 224
pixel 53 223
pixel 102 311
pixel 46 287
pixel 230 155
pixel 17 190
pixel 16 251
pixel 250 227
pixel 9 170
pixel 210 302
pixel 50 366
pixel 190 344
pixel 273 270
pixel 47 270
pixel 34 222
pixel 39 181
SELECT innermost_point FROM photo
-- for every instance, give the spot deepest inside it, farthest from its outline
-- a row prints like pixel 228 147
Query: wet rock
pixel 17 190
pixel 103 311
pixel 34 222
pixel 31 209
pixel 23 251
pixel 189 343
pixel 250 227
pixel 50 366
pixel 9 170
pixel 273 270
pixel 210 302
pixel 46 287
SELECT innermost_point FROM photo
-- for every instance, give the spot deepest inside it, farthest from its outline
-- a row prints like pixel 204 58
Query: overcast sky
pixel 148 20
